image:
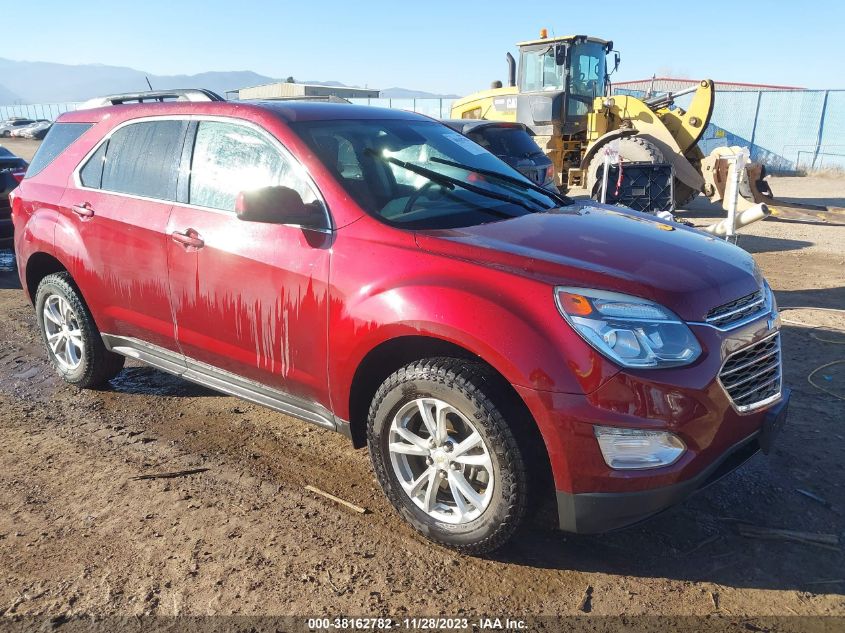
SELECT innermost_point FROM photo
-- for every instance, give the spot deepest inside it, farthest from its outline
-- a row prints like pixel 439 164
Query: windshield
pixel 421 174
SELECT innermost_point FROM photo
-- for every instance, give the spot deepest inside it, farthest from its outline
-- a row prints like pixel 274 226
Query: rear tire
pixel 468 499
pixel 73 342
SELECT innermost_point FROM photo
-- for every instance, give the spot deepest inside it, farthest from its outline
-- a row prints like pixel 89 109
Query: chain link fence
pixel 35 111
pixel 789 131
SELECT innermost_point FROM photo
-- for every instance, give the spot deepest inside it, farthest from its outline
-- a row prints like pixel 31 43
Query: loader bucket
pixel 754 189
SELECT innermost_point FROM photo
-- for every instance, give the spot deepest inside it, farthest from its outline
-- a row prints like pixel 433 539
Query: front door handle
pixel 83 210
pixel 190 238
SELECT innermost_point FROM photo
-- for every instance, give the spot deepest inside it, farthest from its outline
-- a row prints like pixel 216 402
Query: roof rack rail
pixel 160 96
pixel 328 98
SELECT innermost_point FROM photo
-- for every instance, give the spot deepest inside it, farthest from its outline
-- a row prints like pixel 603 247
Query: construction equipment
pixel 563 94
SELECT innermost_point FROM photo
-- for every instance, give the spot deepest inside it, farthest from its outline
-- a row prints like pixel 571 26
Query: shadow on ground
pixel 763 244
pixel 146 380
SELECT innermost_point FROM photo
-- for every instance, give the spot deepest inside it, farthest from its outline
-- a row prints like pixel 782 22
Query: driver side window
pixel 229 158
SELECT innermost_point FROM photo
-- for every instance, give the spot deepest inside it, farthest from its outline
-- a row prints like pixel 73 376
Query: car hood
pixel 598 246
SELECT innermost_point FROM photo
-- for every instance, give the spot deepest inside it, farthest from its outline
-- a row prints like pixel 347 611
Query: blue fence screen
pixel 786 130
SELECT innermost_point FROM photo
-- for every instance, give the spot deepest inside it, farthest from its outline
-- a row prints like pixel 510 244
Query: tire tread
pixel 472 379
pixel 100 365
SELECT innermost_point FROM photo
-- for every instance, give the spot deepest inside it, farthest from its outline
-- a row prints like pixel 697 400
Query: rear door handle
pixel 190 238
pixel 83 210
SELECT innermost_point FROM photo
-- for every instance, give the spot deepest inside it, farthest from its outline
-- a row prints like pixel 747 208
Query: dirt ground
pixel 79 534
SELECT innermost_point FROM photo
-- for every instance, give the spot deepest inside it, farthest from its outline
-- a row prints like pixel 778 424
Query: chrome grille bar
pixel 752 376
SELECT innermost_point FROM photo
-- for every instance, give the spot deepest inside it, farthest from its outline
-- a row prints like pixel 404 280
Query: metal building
pixel 282 90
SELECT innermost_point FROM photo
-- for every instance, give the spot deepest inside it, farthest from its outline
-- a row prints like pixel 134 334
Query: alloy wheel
pixel 63 332
pixel 441 461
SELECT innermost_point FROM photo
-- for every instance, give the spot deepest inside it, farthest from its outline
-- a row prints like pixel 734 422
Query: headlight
pixel 630 331
pixel 634 449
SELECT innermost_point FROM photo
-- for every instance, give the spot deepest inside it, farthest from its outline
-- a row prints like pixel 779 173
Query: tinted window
pixel 513 142
pixel 60 136
pixel 92 174
pixel 230 158
pixel 143 159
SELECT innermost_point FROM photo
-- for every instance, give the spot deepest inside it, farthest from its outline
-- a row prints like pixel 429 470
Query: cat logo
pixel 504 104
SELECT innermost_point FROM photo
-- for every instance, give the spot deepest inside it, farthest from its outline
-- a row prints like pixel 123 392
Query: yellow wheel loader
pixel 562 94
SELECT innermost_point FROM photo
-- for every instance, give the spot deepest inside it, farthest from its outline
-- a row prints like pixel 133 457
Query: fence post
pixel 754 126
pixel 821 129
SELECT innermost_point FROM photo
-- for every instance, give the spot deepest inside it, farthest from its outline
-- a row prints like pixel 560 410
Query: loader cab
pixel 558 80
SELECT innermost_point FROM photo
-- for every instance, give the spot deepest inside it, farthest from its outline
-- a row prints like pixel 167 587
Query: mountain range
pixel 47 82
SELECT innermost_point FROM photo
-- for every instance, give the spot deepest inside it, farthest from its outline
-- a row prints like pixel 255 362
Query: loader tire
pixel 684 194
pixel 632 149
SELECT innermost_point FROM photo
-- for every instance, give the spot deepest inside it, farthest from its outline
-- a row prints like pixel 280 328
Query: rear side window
pixel 92 174
pixel 142 159
pixel 59 138
pixel 506 141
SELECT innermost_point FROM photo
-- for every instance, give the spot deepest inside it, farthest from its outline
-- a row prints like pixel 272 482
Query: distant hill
pixel 7 96
pixel 47 82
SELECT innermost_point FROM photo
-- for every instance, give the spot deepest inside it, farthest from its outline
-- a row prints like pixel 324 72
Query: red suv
pixel 379 274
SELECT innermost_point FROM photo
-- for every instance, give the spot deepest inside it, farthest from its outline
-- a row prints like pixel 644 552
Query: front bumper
pixel 596 512
pixel 689 402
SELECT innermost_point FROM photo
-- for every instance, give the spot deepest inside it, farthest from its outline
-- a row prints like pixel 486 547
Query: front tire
pixel 445 456
pixel 73 342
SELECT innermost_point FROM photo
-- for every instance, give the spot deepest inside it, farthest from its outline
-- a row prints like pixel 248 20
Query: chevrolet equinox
pixel 377 273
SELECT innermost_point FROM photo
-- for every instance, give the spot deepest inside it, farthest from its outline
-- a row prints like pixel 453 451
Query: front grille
pixel 752 376
pixel 737 310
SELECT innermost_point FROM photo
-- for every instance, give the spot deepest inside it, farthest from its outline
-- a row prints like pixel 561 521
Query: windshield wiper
pixel 451 183
pixel 565 201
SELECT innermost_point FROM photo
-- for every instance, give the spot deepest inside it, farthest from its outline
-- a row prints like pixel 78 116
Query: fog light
pixel 631 449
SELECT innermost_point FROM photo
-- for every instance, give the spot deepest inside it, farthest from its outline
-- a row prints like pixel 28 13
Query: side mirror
pixel 277 205
pixel 616 59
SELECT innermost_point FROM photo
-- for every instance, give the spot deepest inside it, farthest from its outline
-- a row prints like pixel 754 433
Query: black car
pixel 11 172
pixel 511 142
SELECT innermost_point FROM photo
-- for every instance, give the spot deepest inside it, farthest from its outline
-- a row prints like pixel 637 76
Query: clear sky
pixel 456 46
